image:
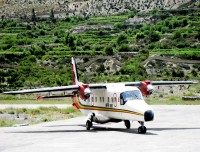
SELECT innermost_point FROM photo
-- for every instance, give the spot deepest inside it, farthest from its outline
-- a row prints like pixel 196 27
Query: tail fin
pixel 75 77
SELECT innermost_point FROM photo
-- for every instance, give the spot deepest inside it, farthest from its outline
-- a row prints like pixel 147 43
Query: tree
pixel 109 50
pixel 101 69
pixel 2 17
pixel 70 40
pixel 33 16
pixel 139 36
pixel 185 22
pixel 122 39
pixel 124 48
pixel 154 36
pixel 194 73
pixel 177 35
pixel 52 18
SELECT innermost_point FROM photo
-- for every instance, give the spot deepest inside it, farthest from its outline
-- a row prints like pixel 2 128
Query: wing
pixel 97 86
pixel 54 89
pixel 132 83
pixel 50 89
pixel 172 82
pixel 161 83
pixel 146 87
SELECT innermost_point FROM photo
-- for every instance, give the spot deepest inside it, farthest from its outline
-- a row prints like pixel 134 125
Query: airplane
pixel 108 102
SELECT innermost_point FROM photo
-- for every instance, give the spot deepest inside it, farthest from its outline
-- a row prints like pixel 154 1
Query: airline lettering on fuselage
pixel 109 105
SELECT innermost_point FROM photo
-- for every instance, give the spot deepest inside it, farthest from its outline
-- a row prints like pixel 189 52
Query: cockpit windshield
pixel 131 95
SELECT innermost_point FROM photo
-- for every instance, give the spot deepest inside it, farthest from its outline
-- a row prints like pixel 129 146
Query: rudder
pixel 75 77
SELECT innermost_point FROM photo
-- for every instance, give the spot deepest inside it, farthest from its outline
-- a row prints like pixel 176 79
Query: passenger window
pixel 108 99
pixel 95 99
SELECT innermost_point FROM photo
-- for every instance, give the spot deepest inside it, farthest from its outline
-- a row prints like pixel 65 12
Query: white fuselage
pixel 107 104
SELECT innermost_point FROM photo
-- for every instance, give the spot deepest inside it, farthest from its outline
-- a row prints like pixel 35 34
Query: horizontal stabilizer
pixel 52 97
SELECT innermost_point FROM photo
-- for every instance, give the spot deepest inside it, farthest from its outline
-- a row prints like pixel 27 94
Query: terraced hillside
pixel 37 52
pixel 63 8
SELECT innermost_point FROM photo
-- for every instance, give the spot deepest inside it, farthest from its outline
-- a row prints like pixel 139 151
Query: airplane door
pixel 115 99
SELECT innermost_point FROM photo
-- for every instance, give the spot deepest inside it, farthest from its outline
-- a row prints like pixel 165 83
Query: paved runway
pixel 175 129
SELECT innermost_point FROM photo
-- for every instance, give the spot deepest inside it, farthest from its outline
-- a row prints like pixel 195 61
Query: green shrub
pixel 101 68
pixel 118 25
pixel 153 37
pixel 124 48
pixel 122 38
pixel 98 47
pixel 86 47
pixel 177 34
pixel 140 36
pixel 109 50
pixel 42 32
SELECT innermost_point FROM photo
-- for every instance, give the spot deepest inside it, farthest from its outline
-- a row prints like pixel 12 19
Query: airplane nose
pixel 148 115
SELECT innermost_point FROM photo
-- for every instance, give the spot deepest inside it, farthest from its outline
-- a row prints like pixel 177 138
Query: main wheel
pixel 127 124
pixel 88 124
pixel 142 130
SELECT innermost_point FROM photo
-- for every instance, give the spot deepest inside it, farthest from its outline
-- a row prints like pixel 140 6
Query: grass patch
pixel 170 100
pixel 174 51
pixel 34 116
pixel 31 99
pixel 6 123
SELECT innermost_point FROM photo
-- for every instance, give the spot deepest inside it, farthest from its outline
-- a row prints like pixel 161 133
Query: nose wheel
pixel 142 129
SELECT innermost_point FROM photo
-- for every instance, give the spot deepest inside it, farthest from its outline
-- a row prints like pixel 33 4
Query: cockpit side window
pixel 130 95
pixel 122 98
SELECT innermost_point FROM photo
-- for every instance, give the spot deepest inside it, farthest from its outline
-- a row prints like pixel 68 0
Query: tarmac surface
pixel 174 129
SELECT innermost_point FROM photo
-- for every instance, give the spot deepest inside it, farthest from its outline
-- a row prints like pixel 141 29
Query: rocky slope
pixel 157 66
pixel 22 8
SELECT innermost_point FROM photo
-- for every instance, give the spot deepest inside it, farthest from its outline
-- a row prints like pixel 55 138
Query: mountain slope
pixel 23 8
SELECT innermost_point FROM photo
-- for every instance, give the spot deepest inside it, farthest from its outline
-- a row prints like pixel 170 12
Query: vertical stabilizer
pixel 75 77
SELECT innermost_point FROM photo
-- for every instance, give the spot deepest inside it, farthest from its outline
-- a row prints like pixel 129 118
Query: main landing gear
pixel 142 129
pixel 89 121
pixel 88 124
pixel 127 124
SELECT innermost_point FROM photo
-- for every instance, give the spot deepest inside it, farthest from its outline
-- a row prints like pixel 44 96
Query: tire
pixel 88 125
pixel 142 130
pixel 127 124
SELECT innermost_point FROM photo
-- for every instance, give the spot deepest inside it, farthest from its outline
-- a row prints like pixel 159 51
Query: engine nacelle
pixel 146 88
pixel 84 91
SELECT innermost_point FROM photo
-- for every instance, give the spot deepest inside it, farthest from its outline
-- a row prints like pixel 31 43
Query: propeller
pixel 146 87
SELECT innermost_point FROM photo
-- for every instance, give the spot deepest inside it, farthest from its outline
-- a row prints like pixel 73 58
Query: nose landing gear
pixel 142 129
